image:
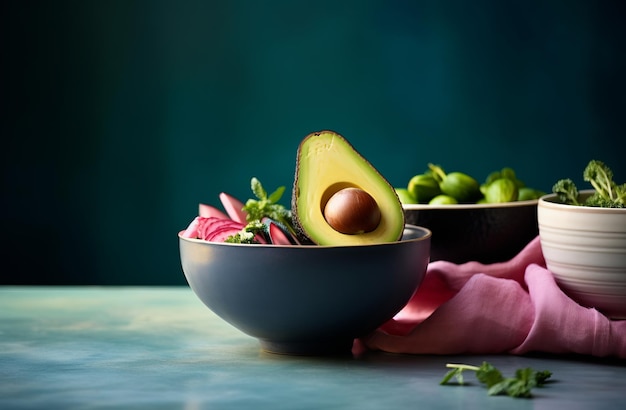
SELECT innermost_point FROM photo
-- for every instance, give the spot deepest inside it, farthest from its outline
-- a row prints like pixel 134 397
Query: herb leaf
pixel 456 373
pixel 276 195
pixel 488 374
pixel 267 206
pixel 263 206
pixel 519 386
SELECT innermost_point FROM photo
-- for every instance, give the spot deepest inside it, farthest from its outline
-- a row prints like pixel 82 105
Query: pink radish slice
pixel 218 230
pixel 222 234
pixel 233 208
pixel 213 222
pixel 192 229
pixel 278 234
pixel 209 211
pixel 209 225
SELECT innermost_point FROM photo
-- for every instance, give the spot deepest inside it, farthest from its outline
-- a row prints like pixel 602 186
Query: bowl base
pixel 309 348
pixel 613 306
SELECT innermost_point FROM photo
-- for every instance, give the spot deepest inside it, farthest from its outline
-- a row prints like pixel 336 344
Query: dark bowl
pixel 485 233
pixel 306 299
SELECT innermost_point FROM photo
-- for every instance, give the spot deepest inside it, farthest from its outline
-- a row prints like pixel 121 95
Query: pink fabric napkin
pixel 512 307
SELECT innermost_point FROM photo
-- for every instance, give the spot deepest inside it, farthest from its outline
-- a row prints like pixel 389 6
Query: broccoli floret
pixel 248 233
pixel 600 201
pixel 601 178
pixel 566 191
pixel 620 196
pixel 608 194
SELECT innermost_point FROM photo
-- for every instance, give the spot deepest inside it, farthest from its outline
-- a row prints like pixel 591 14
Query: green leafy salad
pixel 607 193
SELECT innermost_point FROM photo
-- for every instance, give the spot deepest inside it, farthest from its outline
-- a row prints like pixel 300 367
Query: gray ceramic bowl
pixel 485 233
pixel 306 299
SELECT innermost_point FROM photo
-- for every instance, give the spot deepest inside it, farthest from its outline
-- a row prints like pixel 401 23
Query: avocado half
pixel 327 163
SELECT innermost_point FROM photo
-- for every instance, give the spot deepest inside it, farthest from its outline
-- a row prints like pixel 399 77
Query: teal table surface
pixel 161 348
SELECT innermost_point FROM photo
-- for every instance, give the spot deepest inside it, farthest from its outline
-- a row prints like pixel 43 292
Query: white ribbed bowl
pixel 585 249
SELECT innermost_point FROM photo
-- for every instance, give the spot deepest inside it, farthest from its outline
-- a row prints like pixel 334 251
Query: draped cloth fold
pixel 512 307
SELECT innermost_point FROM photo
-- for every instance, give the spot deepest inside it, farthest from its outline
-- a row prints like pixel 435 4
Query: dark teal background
pixel 119 117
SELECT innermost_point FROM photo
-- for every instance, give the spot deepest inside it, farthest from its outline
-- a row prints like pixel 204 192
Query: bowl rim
pixel 426 235
pixel 550 201
pixel 512 204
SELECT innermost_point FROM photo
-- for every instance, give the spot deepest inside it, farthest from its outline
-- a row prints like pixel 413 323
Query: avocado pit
pixel 352 211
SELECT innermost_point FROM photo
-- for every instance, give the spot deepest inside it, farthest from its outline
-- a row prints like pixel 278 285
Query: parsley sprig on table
pixel 518 386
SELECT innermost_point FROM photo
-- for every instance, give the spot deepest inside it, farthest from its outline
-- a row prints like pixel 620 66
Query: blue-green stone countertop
pixel 161 348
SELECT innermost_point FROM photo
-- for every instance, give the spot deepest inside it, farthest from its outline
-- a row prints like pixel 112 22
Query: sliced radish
pixel 192 229
pixel 215 229
pixel 207 226
pixel 221 234
pixel 209 211
pixel 277 236
pixel 234 208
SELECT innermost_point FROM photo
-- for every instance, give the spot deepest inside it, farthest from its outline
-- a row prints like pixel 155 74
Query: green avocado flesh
pixel 327 163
